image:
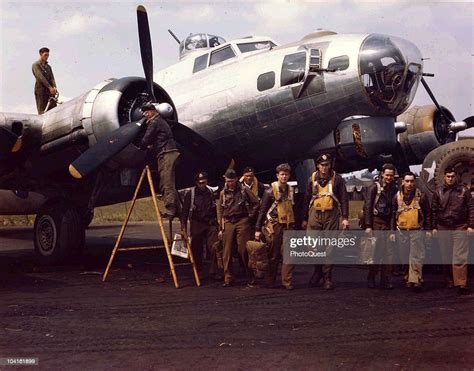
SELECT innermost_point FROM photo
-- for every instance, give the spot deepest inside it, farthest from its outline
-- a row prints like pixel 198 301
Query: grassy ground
pixel 142 212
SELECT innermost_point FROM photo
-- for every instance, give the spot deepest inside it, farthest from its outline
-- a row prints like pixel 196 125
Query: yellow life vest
pixel 323 197
pixel 284 207
pixel 408 215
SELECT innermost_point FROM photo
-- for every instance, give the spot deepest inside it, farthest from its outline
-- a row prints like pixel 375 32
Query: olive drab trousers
pixel 275 247
pixel 412 250
pixel 384 252
pixel 41 97
pixel 454 249
pixel 166 170
pixel 324 221
pixel 203 234
pixel 236 232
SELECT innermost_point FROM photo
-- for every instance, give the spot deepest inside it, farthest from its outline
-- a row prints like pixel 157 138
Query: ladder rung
pixel 178 264
pixel 140 248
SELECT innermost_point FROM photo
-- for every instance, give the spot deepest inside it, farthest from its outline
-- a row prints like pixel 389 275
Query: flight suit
pixel 199 207
pixel 257 189
pixel 277 215
pixel 377 215
pixel 411 214
pixel 159 137
pixel 453 210
pixel 44 80
pixel 236 209
pixel 325 202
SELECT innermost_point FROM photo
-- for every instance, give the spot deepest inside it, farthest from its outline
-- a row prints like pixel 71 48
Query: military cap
pixel 200 176
pixel 230 174
pixel 148 107
pixel 248 169
pixel 326 157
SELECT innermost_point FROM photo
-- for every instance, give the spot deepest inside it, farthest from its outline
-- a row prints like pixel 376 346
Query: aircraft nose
pixel 390 69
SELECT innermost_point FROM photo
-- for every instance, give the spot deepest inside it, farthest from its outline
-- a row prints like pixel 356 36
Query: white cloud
pixel 197 13
pixel 79 23
pixel 274 16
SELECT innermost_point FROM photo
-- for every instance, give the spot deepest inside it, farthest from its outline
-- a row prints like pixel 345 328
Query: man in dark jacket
pixel 45 85
pixel 159 140
pixel 453 210
pixel 199 207
pixel 250 181
pixel 325 201
pixel 377 215
pixel 411 214
pixel 237 209
pixel 277 215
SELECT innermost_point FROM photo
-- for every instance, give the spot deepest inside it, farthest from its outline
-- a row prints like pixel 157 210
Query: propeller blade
pixel 145 48
pixel 105 149
pixel 9 142
pixel 469 121
pixel 430 93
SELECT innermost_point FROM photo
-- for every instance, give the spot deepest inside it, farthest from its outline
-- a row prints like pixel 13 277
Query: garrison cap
pixel 326 157
pixel 200 176
pixel 230 174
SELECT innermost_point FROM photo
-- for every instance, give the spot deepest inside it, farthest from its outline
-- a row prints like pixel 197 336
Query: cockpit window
pixel 254 46
pixel 198 41
pixel 293 68
pixel 200 63
pixel 215 41
pixel 221 55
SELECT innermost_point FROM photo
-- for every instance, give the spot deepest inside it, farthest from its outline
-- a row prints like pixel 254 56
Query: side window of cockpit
pixel 340 63
pixel 293 68
pixel 221 55
pixel 266 81
pixel 200 63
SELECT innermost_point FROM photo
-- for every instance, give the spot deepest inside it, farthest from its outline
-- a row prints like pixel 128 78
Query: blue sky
pixel 91 41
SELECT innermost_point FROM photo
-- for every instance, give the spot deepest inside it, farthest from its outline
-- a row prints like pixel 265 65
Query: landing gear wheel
pixel 459 155
pixel 58 233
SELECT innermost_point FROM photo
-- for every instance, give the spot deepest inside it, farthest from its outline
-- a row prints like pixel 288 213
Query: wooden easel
pixel 146 171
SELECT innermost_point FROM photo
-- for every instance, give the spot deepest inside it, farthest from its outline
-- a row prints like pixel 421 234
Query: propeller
pixel 450 125
pixel 109 146
pixel 105 149
pixel 9 141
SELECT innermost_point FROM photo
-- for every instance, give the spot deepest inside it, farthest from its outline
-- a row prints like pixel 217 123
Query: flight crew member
pixel 159 139
pixel 199 207
pixel 325 201
pixel 377 215
pixel 411 213
pixel 276 215
pixel 250 181
pixel 453 210
pixel 237 209
pixel 45 85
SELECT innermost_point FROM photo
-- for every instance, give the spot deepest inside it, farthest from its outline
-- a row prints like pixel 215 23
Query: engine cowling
pixel 426 129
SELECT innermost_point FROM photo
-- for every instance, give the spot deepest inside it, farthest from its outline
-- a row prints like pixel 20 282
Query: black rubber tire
pixel 459 155
pixel 59 233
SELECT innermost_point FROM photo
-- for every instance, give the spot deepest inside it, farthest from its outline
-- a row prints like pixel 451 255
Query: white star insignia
pixel 430 171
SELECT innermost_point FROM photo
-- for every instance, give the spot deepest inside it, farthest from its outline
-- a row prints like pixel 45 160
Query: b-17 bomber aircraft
pixel 245 101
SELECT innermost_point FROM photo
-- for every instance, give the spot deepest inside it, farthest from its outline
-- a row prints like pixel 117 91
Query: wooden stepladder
pixel 146 171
